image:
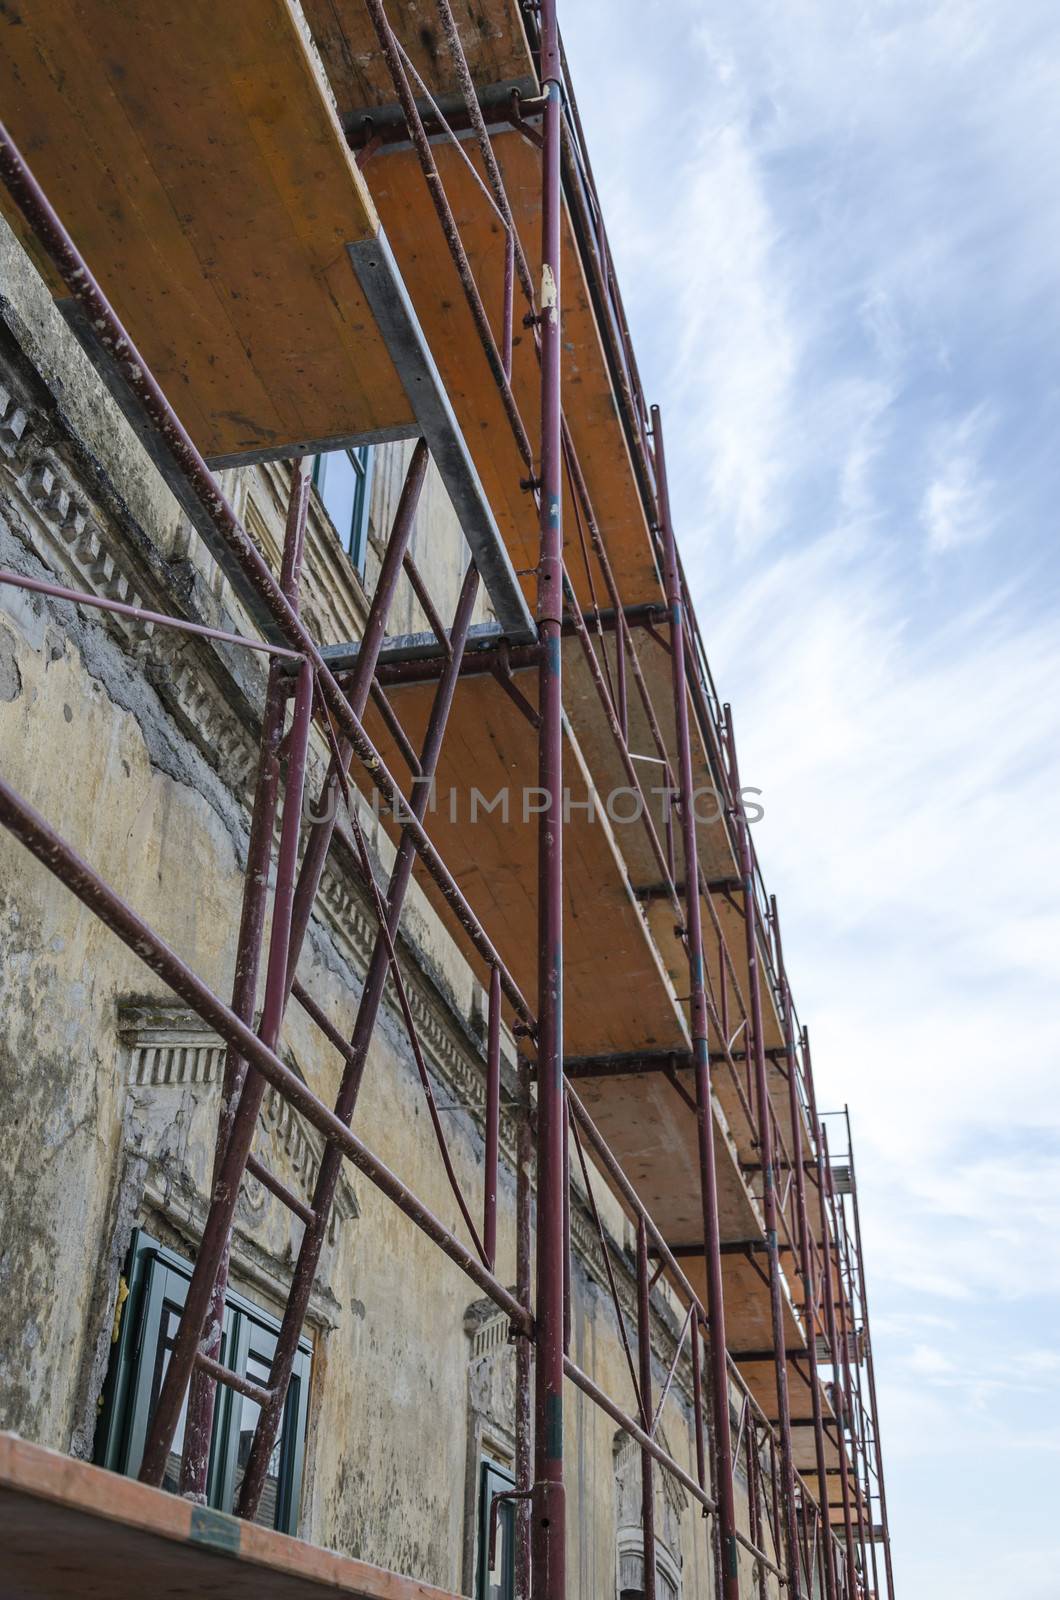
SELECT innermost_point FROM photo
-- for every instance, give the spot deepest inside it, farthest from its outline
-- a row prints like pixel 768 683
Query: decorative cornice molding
pixel 65 530
pixel 169 1047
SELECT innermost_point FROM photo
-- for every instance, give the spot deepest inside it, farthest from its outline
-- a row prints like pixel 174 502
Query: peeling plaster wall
pixel 139 747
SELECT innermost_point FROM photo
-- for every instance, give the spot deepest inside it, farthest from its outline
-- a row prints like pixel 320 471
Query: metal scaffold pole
pixel 700 1045
pixel 549 1513
pixel 870 1365
pixel 830 1291
pixel 769 1171
pixel 806 1263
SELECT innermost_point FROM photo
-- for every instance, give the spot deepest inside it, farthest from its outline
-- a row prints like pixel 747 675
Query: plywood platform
pixel 195 157
pixel 492 35
pixel 498 58
pixel 597 741
pixel 654 1135
pixel 69 1531
pixel 616 993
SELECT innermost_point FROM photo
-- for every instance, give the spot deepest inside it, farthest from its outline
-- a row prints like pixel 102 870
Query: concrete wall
pixel 140 747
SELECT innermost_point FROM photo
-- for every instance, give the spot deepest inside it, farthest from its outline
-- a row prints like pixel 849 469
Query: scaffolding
pixel 566 513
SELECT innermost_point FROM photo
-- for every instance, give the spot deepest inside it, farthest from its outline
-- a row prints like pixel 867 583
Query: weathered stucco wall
pixel 139 747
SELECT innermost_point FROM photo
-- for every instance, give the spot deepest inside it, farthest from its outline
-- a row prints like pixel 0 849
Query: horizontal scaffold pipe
pixel 423 649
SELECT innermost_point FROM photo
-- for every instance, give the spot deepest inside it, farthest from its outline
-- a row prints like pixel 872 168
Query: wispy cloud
pixel 957 508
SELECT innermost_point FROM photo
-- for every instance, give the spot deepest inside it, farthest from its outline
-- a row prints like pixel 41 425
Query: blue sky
pixel 837 226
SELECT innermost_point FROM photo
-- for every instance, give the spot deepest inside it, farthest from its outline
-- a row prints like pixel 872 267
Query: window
pixel 158 1281
pixel 343 480
pixel 496 1582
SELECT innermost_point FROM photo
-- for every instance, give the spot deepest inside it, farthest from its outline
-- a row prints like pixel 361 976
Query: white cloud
pixel 957 506
pixel 735 343
pixel 929 1362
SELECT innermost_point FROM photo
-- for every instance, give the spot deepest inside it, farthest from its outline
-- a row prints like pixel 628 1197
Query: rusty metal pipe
pixel 871 1370
pixel 156 619
pixel 708 1181
pixel 647 1477
pixel 809 1312
pixel 524 1414
pixel 823 1181
pixel 493 1118
pixel 548 1540
pixel 582 1381
pixel 764 1109
pixel 436 189
pixel 202 1394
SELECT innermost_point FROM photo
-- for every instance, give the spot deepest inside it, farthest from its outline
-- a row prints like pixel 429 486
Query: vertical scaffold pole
pixel 871 1369
pixel 647 1465
pixel 806 1263
pixel 700 1044
pixel 852 1379
pixel 823 1289
pixel 769 1172
pixel 823 1183
pixel 524 1443
pixel 549 1511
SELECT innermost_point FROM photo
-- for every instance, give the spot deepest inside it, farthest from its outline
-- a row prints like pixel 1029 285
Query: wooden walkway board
pixel 194 155
pixel 69 1531
pixel 498 56
pixel 492 36
pixel 654 1136
pixel 616 995
pixel 582 700
pixel 400 193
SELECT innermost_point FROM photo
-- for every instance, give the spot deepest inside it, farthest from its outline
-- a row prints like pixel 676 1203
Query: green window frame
pixel 157 1281
pixel 343 481
pixel 498 1584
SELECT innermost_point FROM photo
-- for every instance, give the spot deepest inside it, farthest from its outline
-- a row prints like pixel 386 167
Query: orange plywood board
pixel 69 1531
pixel 653 1133
pixel 405 209
pixel 616 994
pixel 497 54
pixel 196 159
pixel 492 37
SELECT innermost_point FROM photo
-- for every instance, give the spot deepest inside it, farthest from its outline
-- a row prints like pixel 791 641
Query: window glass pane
pixel 249 1411
pixel 343 479
pixel 338 481
pixel 496 1586
pixel 496 1581
pixel 167 1334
